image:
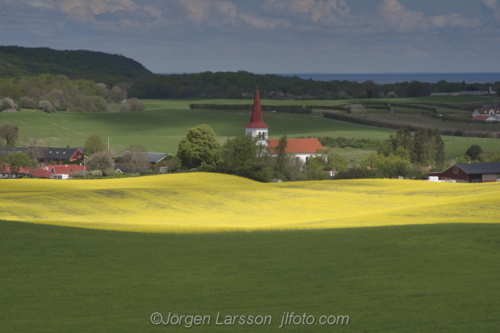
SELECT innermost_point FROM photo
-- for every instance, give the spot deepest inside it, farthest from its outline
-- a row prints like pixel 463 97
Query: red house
pixel 470 173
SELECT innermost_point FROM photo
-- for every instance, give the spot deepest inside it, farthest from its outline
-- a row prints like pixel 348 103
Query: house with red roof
pixel 486 114
pixel 7 173
pixel 256 128
pixel 51 170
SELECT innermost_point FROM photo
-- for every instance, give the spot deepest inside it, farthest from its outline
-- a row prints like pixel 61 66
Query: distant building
pixel 256 128
pixel 48 154
pixel 50 170
pixel 470 173
pixel 478 90
pixel 153 158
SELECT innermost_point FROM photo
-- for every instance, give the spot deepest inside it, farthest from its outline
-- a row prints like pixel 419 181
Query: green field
pixel 432 278
pixel 165 122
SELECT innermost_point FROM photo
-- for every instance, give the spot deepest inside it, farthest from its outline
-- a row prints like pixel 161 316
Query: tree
pixel 102 160
pixel 94 144
pixel 34 150
pixel 132 104
pixel 415 89
pixel 429 148
pixel 241 157
pixel 17 161
pixel 10 133
pixel 199 148
pixel 46 106
pixel 404 139
pixel 135 160
pixel 474 152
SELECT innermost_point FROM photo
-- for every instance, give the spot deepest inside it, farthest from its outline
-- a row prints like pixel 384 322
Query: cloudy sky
pixel 268 36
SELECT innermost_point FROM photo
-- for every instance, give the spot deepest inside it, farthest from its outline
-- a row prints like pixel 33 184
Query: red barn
pixel 471 172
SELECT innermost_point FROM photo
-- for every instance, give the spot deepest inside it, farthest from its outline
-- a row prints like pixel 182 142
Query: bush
pixel 46 106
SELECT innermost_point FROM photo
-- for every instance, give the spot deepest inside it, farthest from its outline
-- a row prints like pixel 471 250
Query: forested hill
pixel 81 64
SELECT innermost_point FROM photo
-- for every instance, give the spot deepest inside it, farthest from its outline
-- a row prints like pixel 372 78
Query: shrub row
pixel 325 107
pixel 246 107
pixel 412 128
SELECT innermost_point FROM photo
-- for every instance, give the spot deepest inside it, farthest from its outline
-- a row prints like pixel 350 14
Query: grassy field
pixel 209 202
pixel 432 278
pixel 166 122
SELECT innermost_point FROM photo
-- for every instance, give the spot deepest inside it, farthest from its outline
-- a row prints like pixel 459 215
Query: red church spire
pixel 257 120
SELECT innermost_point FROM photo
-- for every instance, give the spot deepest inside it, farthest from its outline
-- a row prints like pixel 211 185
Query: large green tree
pixel 429 148
pixel 199 148
pixel 241 156
pixel 17 161
pixel 94 144
pixel 474 152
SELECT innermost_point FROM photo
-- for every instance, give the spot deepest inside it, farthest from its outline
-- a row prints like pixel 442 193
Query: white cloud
pixel 263 23
pixel 494 6
pixel 201 11
pixel 329 12
pixel 395 15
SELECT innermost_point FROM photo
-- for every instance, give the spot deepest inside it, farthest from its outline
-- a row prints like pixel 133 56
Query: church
pixel 256 128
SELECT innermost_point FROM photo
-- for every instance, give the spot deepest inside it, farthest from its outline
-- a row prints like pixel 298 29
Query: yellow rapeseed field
pixel 205 202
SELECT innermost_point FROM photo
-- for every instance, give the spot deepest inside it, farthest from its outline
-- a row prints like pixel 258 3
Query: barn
pixel 470 172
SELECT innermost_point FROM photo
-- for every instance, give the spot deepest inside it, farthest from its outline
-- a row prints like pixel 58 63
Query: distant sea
pixel 384 78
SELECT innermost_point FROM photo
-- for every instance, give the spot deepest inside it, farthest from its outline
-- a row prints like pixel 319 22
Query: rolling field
pixel 206 202
pixel 419 279
pixel 166 122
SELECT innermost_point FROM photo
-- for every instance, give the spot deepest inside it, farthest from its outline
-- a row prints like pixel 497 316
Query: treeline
pixel 240 85
pixel 58 93
pixel 246 107
pixel 112 69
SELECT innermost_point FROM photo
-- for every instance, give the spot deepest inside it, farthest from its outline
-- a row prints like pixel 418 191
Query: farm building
pixel 49 171
pixel 7 173
pixel 478 90
pixel 486 111
pixel 153 158
pixel 48 154
pixel 486 118
pixel 470 173
pixel 302 148
pixel 256 128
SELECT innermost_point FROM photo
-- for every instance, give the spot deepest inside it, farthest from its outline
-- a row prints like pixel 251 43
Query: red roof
pixel 482 117
pixel 41 173
pixel 256 120
pixel 297 146
pixel 4 168
pixel 66 169
pixel 49 170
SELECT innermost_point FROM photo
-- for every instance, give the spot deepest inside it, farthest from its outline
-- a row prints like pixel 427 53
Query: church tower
pixel 256 128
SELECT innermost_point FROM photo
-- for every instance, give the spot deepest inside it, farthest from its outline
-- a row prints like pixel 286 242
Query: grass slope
pixel 438 278
pixel 202 202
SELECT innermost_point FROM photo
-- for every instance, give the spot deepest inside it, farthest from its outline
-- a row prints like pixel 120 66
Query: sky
pixel 267 36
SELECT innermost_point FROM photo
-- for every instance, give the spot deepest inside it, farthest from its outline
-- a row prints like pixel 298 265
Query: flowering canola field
pixel 206 202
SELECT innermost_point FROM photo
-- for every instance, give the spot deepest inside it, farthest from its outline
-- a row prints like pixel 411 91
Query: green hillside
pixel 16 61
